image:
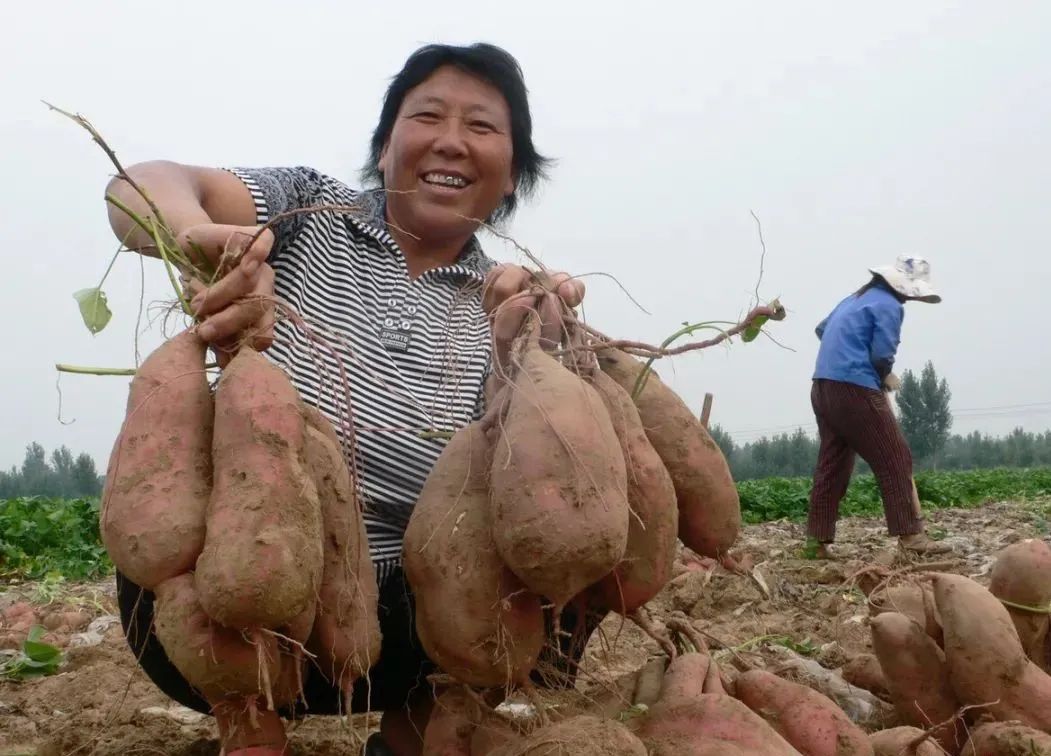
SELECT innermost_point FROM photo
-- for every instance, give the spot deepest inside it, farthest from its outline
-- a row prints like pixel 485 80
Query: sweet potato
pixel 897 740
pixel 688 676
pixel 864 671
pixel 346 635
pixel 160 470
pixel 559 486
pixel 914 600
pixel 493 733
pixel 474 617
pixel 581 735
pixel 812 723
pixel 451 725
pixel 709 507
pixel 1021 579
pixel 218 661
pixel 987 665
pixel 262 559
pixel 653 525
pixel 1007 739
pixel 710 724
pixel 916 675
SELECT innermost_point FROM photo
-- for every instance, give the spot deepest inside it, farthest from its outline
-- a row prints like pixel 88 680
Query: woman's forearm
pixel 176 191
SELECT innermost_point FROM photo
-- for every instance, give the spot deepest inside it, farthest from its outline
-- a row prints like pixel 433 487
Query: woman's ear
pixel 381 164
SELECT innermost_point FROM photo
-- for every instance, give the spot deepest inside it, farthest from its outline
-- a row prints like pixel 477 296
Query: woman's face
pixel 448 157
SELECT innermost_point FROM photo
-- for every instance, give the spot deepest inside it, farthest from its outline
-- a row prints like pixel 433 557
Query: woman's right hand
pixel 239 307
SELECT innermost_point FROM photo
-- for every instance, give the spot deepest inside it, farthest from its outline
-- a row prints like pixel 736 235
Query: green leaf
pixel 43 654
pixel 751 333
pixel 93 308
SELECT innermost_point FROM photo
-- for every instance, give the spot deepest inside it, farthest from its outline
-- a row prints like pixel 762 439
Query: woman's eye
pixel 482 126
pixel 427 116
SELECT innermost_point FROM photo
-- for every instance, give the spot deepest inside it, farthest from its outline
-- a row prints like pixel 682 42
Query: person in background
pixel 859 341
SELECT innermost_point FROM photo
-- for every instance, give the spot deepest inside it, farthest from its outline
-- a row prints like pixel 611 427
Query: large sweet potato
pixel 917 676
pixel 262 559
pixel 218 661
pixel 474 617
pixel 451 725
pixel 710 724
pixel 897 741
pixel 559 486
pixel 709 507
pixel 160 471
pixel 346 636
pixel 864 671
pixel 987 665
pixel 1007 739
pixel 1021 579
pixel 812 723
pixel 581 735
pixel 653 524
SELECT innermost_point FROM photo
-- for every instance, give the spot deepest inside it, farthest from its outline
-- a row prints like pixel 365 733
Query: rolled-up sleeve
pixel 278 190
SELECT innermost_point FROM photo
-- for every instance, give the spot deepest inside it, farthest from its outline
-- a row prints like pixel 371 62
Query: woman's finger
pixel 254 313
pixel 503 283
pixel 550 322
pixel 239 282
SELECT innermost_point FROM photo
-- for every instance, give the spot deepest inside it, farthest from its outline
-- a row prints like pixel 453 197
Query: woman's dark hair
pixel 879 281
pixel 491 64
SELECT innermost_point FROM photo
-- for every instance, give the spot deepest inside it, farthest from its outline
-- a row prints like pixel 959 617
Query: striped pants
pixel 853 420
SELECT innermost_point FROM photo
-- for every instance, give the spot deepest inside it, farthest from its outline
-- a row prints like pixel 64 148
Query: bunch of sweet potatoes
pixel 566 493
pixel 239 512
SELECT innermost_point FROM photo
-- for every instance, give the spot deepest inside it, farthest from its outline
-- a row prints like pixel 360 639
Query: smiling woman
pixel 417 308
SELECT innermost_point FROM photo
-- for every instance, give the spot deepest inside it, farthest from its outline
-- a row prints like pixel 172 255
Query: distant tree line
pixel 59 474
pixel 926 421
pixel 795 454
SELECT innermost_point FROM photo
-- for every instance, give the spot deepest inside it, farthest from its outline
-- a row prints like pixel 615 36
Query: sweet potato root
pixel 986 662
pixel 709 507
pixel 346 635
pixel 917 676
pixel 160 471
pixel 495 633
pixel 1021 579
pixel 710 724
pixel 219 662
pixel 652 527
pixel 812 723
pixel 896 742
pixel 262 559
pixel 914 600
pixel 559 486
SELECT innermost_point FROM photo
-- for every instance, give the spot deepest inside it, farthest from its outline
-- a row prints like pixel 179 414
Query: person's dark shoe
pixel 376 746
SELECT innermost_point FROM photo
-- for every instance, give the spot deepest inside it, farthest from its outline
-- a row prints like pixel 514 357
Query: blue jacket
pixel 860 338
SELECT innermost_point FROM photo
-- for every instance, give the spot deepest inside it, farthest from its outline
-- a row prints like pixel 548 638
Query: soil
pixel 784 613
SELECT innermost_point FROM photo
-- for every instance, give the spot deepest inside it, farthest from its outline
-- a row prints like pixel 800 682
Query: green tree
pixel 85 477
pixel 36 474
pixel 723 440
pixel 924 409
pixel 62 470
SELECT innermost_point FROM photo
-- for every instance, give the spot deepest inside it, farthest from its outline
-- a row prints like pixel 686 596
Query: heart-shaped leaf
pixel 93 308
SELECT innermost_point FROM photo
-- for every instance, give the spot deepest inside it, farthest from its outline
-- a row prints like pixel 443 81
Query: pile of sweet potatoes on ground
pixel 237 510
pixel 956 671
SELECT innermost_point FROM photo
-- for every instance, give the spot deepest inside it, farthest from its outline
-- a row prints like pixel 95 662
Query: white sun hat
pixel 910 277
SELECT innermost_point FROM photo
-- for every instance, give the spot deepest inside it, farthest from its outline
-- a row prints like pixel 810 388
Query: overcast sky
pixel 855 131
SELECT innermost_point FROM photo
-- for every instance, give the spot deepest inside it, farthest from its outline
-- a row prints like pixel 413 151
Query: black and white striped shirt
pixel 415 353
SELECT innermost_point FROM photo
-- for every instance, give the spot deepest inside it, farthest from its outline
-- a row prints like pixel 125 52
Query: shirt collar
pixel 472 260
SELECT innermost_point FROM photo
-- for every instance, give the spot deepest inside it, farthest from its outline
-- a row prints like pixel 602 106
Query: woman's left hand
pixel 508 296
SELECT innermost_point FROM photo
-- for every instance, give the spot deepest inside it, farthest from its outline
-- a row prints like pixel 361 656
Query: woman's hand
pixel 239 307
pixel 509 295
